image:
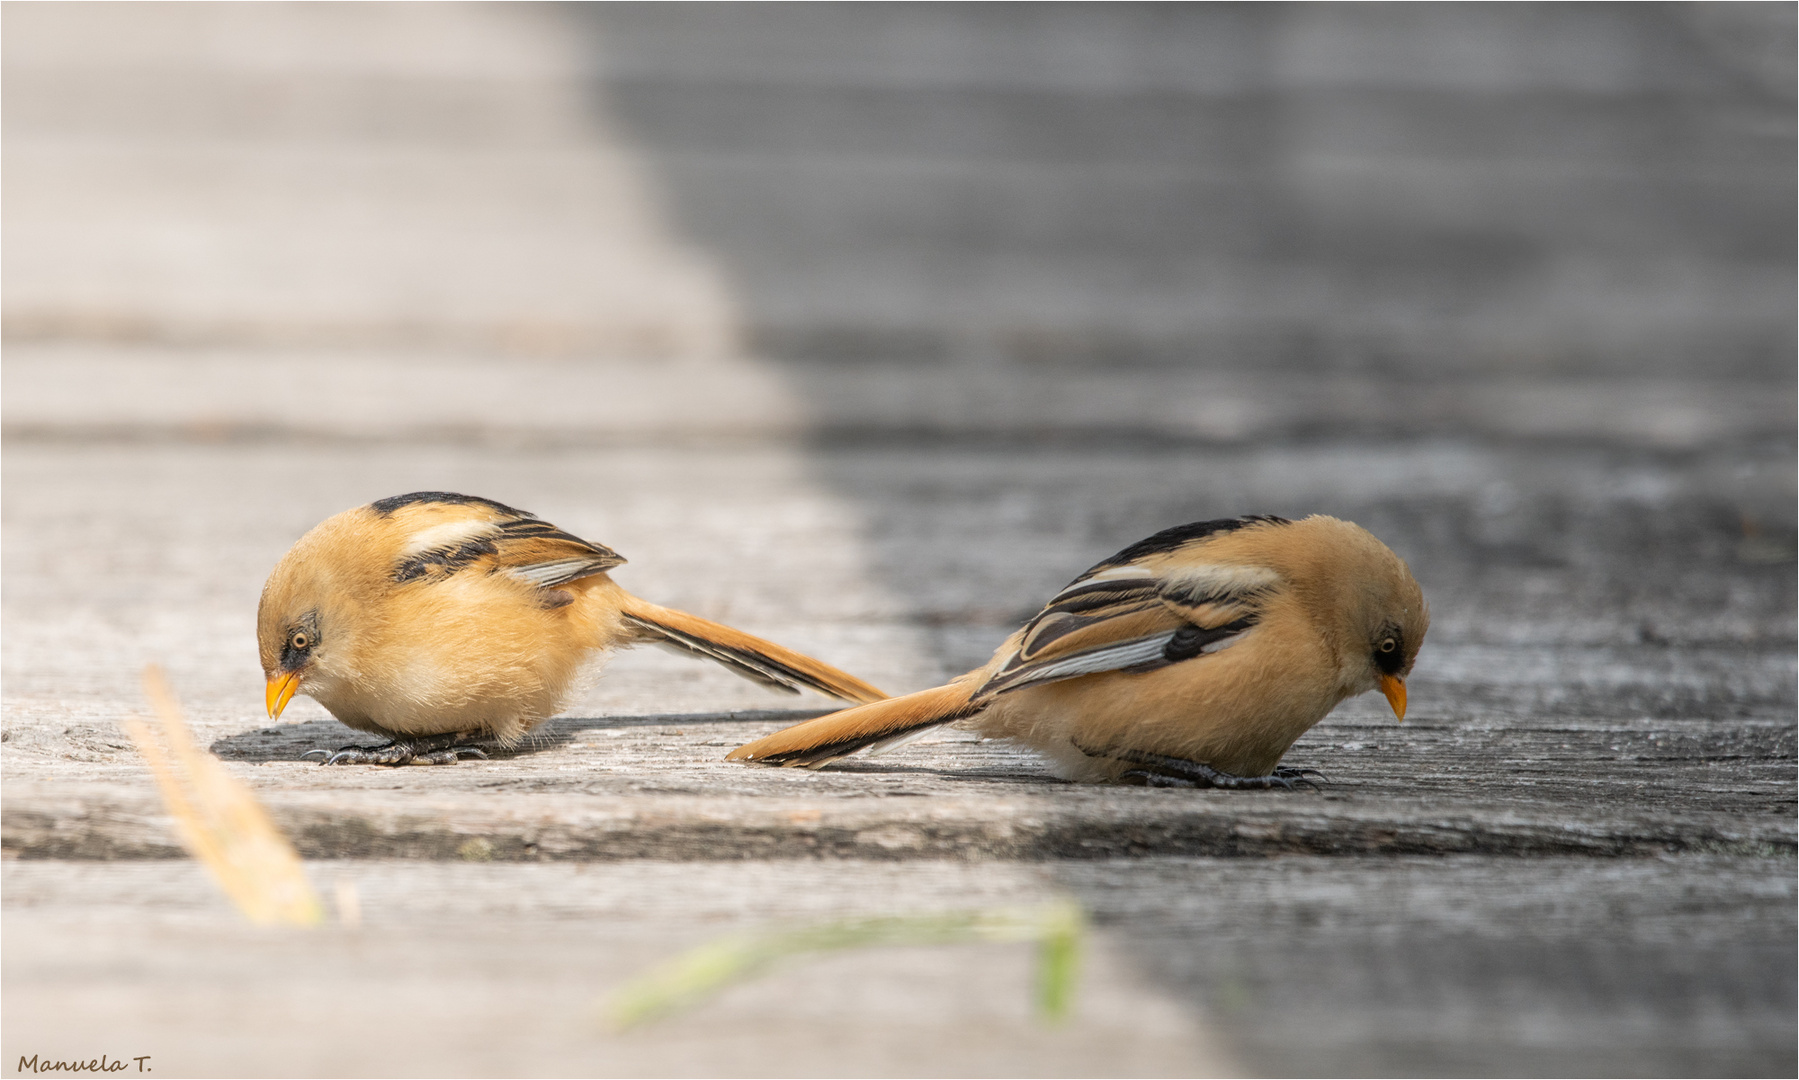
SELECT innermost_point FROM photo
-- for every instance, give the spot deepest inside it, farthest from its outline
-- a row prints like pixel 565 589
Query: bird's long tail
pixel 744 654
pixel 815 742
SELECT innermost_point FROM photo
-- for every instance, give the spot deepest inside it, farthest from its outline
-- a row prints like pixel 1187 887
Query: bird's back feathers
pixel 449 533
pixel 446 533
pixel 1180 536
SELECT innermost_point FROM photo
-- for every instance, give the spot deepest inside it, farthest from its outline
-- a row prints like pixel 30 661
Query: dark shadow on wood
pixel 291 742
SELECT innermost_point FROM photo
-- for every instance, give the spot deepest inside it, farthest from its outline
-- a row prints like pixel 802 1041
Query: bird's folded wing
pixel 451 537
pixel 1133 619
pixel 542 554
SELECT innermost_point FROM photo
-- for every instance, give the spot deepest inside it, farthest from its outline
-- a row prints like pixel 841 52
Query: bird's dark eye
pixel 1388 645
pixel 299 640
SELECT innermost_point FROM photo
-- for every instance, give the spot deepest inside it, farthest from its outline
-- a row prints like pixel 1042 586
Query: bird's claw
pixel 1163 771
pixel 449 755
pixel 1300 772
pixel 394 753
pixel 398 753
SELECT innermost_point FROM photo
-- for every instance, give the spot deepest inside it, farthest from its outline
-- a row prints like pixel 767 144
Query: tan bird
pixel 433 618
pixel 1193 658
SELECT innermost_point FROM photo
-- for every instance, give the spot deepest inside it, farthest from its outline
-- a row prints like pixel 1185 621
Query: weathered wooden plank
pixel 655 788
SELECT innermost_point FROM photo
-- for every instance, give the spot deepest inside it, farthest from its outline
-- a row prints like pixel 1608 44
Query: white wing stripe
pixel 447 534
pixel 1117 572
pixel 1111 658
pixel 1221 579
pixel 545 573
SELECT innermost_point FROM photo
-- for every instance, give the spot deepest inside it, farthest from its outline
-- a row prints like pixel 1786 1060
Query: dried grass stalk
pixel 219 819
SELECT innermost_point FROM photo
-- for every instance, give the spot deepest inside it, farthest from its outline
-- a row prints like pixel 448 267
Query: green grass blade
pixel 1059 930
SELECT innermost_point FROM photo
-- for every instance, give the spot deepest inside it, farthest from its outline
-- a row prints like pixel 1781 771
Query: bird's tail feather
pixel 744 654
pixel 878 725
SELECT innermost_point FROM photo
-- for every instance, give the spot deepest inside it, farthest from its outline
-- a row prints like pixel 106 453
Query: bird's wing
pixel 1134 617
pixel 451 535
pixel 544 555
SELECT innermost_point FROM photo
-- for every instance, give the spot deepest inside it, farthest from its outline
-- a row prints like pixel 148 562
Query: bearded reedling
pixel 432 619
pixel 1193 658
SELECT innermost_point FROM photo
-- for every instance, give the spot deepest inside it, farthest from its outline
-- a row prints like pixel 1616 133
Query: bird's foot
pixel 1300 772
pixel 1162 771
pixel 399 752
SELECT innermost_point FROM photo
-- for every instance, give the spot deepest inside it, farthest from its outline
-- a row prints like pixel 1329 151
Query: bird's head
pixel 1366 599
pixel 308 609
pixel 1387 620
pixel 1393 648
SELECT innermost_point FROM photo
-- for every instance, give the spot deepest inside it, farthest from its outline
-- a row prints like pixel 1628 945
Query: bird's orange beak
pixel 1391 685
pixel 281 691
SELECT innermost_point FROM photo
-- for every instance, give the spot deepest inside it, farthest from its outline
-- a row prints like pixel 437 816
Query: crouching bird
pixel 434 618
pixel 1193 658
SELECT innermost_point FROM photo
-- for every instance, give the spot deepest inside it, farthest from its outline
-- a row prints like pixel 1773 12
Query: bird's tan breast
pixel 469 652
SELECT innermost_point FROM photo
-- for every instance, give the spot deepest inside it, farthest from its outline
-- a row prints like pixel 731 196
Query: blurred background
pixel 868 326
